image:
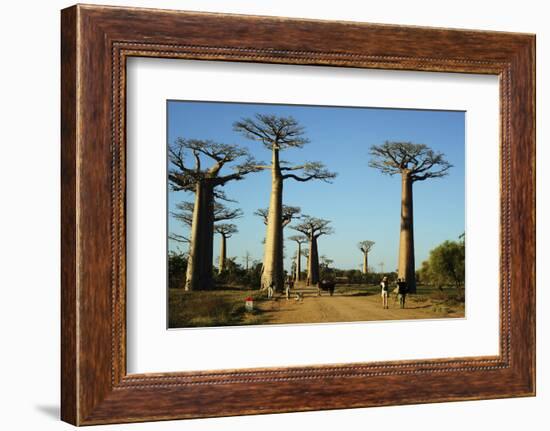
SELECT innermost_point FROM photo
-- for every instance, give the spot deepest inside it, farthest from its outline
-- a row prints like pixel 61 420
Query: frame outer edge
pixel 69 201
pixel 88 397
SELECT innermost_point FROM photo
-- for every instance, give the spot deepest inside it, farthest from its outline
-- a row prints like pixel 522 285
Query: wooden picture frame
pixel 95 43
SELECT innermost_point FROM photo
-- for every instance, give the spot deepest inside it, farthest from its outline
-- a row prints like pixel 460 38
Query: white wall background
pixel 29 215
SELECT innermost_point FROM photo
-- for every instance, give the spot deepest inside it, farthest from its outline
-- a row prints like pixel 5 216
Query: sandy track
pixel 338 308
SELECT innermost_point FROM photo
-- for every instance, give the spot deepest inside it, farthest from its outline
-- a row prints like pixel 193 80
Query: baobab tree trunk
pixel 223 252
pixel 273 255
pixel 313 263
pixel 365 262
pixel 406 239
pixel 199 265
pixel 299 263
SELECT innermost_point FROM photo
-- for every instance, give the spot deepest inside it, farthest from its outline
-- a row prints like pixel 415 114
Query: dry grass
pixel 211 308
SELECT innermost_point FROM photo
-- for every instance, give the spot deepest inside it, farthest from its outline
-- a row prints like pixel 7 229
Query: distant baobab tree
pixel 278 134
pixel 313 228
pixel 289 213
pixel 365 247
pixel 415 162
pixel 246 259
pixel 299 239
pixel 226 230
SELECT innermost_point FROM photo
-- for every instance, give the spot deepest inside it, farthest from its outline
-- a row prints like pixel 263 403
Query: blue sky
pixel 361 202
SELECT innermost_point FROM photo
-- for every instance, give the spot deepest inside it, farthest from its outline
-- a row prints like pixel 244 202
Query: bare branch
pixel 310 170
pixel 185 210
pixel 221 212
pixel 178 238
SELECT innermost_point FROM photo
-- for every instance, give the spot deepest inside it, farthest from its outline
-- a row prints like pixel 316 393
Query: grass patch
pixel 212 308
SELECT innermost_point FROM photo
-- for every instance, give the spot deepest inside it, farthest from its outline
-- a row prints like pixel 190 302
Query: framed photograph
pixel 264 214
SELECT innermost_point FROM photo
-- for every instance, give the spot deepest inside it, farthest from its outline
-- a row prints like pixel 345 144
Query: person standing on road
pixel 384 293
pixel 401 291
pixel 289 285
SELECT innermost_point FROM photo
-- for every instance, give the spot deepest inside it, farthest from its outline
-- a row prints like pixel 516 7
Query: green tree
pixel 177 266
pixel 446 264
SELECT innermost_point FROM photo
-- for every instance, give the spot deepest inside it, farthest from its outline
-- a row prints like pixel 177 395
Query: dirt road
pixel 340 308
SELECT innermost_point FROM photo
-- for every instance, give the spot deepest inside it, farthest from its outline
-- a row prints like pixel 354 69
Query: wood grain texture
pixel 96 41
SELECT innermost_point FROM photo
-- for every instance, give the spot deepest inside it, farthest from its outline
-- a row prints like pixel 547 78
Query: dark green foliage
pixel 236 275
pixel 177 267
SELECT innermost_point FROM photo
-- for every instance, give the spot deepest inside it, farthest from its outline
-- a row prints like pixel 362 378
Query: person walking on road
pixel 384 293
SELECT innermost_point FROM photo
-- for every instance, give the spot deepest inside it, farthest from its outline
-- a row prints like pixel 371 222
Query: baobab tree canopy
pixel 420 161
pixel 415 162
pixel 365 246
pixel 226 229
pixel 314 227
pixel 272 130
pixel 209 158
pixel 289 213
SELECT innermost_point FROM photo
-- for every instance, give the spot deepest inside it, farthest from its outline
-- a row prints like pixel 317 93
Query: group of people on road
pixel 401 291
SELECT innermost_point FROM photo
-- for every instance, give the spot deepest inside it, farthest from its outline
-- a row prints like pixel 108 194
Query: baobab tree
pixel 365 247
pixel 246 259
pixel 204 179
pixel 289 213
pixel 278 134
pixel 299 239
pixel 185 213
pixel 313 228
pixel 415 162
pixel 226 230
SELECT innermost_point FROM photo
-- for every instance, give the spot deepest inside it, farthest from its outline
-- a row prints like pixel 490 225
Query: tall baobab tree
pixel 365 247
pixel 226 230
pixel 299 239
pixel 204 179
pixel 313 228
pixel 415 162
pixel 278 134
